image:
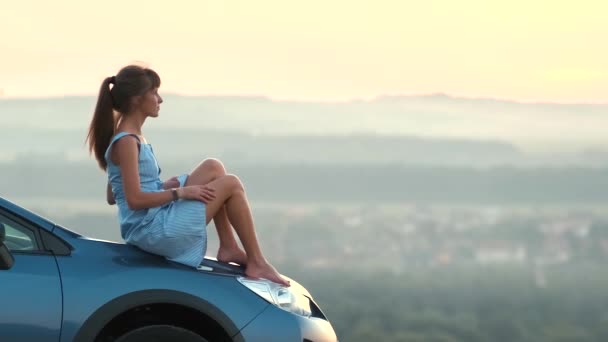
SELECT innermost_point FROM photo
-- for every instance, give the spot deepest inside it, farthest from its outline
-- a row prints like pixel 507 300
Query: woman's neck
pixel 131 123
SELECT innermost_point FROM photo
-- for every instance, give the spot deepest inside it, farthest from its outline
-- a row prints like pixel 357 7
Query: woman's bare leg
pixel 228 251
pixel 230 194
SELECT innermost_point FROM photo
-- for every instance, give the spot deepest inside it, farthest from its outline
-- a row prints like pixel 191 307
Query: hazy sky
pixel 527 50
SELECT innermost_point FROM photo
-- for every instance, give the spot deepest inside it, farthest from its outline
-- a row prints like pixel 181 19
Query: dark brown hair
pixel 131 81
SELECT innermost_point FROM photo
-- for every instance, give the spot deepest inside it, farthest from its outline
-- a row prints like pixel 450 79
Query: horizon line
pixel 329 101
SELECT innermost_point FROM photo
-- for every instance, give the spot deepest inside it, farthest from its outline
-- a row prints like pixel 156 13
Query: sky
pixel 330 50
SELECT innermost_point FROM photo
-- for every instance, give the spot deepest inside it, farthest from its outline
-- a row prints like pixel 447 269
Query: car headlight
pixel 281 296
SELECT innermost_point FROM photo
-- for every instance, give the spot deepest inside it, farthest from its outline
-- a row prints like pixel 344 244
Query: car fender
pixel 102 316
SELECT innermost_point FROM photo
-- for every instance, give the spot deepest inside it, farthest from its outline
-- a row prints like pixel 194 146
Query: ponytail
pixel 103 123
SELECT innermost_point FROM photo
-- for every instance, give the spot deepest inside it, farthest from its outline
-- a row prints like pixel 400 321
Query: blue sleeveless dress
pixel 176 230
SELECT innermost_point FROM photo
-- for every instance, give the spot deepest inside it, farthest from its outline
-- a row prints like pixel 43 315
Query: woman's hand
pixel 171 183
pixel 201 193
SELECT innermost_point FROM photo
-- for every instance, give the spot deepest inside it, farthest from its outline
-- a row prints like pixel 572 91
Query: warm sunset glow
pixel 312 50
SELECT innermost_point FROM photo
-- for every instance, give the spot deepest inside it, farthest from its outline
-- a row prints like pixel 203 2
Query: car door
pixel 30 291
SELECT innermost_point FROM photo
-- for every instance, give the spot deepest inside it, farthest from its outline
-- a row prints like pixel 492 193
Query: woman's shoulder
pixel 121 134
pixel 130 143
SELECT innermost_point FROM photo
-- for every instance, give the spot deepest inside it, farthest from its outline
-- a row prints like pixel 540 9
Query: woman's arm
pixel 110 195
pixel 126 152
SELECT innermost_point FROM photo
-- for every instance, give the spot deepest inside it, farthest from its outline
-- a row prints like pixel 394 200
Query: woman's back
pixel 149 174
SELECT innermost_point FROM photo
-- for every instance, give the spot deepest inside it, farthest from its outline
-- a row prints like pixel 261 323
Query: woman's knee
pixel 234 183
pixel 213 166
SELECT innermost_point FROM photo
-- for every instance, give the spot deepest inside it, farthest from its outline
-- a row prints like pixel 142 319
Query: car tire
pixel 160 333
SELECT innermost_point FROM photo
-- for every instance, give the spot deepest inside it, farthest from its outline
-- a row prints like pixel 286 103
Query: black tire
pixel 160 333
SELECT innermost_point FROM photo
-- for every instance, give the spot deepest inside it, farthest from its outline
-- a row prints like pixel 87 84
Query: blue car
pixel 57 285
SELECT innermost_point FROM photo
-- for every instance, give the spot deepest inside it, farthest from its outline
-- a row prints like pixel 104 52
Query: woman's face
pixel 150 103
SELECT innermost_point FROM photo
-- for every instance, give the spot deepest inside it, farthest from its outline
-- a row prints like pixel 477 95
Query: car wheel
pixel 160 333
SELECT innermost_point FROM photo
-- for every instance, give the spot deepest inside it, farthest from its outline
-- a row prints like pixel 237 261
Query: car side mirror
pixel 6 258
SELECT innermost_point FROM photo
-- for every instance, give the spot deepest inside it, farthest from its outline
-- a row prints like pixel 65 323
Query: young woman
pixel 167 218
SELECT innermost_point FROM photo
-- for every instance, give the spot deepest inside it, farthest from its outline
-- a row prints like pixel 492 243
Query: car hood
pixel 134 256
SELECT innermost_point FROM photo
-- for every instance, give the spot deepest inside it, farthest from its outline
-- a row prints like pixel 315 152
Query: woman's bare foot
pixel 232 254
pixel 266 271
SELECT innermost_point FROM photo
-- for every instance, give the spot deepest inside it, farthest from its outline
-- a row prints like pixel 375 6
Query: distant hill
pixel 435 129
pixel 191 145
pixel 295 182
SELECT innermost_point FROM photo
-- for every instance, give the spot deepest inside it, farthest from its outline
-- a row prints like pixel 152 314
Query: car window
pixel 16 236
